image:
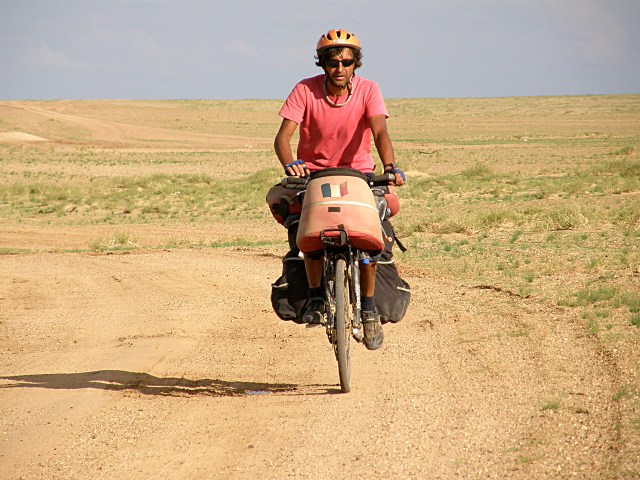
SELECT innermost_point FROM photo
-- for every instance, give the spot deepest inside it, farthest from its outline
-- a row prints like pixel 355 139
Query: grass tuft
pixel 118 242
pixel 628 150
pixel 552 406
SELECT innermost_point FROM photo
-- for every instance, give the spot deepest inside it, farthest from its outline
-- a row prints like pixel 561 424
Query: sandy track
pixel 171 364
pixel 106 133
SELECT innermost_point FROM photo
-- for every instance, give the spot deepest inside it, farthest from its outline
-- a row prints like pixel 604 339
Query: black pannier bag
pixel 392 294
pixel 290 291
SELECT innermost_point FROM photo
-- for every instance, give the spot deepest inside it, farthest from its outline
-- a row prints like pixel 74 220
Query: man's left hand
pixel 400 179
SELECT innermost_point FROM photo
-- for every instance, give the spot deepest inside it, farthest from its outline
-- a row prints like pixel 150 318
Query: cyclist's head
pixel 333 42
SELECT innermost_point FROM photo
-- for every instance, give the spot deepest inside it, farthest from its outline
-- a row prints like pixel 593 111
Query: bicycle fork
pixel 352 258
pixel 354 285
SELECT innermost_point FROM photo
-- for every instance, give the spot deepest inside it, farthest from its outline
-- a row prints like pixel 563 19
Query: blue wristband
pixel 295 162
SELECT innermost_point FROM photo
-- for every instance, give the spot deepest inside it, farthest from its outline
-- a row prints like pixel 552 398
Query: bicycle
pixel 342 252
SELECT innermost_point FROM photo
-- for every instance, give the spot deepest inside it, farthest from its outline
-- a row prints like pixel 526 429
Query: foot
pixel 314 312
pixel 373 334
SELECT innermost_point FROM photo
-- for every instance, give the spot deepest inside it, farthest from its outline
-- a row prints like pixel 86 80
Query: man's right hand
pixel 297 168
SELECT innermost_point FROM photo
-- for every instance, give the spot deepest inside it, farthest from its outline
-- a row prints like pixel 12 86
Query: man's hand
pixel 400 179
pixel 297 168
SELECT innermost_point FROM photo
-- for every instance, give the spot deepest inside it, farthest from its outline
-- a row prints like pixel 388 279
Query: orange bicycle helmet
pixel 337 38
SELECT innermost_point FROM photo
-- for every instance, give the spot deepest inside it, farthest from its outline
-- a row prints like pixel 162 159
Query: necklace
pixel 332 103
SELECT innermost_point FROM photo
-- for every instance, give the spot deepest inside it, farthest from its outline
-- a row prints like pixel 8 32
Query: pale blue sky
pixel 195 49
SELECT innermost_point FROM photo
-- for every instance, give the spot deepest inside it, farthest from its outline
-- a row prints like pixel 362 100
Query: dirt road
pixel 171 364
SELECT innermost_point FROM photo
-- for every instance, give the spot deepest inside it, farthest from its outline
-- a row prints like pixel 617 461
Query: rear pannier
pixel 335 199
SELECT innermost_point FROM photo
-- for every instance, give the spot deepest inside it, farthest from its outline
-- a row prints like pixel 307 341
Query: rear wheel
pixel 343 321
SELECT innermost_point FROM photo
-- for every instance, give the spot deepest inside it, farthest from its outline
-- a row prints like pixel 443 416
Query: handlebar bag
pixel 340 199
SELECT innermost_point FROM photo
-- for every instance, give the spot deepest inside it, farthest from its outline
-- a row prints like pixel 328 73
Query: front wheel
pixel 343 325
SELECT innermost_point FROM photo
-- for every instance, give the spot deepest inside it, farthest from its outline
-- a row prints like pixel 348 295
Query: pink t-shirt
pixel 334 136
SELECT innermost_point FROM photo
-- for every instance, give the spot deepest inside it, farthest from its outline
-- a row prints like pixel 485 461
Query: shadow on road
pixel 119 380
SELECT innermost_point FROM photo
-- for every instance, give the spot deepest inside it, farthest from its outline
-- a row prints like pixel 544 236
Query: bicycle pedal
pixel 358 335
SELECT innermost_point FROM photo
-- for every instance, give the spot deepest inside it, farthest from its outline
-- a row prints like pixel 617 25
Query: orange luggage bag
pixel 339 198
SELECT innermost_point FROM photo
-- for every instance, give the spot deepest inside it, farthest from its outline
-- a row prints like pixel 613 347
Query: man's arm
pixel 282 146
pixel 383 143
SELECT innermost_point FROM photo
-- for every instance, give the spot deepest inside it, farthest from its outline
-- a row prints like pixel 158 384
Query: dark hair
pixel 327 53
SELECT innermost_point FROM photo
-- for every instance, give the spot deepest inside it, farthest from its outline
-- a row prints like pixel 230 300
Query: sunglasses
pixel 333 63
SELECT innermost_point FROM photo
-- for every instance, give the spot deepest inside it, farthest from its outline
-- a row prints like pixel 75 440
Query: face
pixel 338 74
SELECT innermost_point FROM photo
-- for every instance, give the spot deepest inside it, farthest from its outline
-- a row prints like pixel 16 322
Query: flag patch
pixel 333 190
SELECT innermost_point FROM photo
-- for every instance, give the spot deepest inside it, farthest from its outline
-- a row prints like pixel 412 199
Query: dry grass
pixel 534 196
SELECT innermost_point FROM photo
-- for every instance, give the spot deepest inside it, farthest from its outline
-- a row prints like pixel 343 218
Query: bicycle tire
pixel 343 325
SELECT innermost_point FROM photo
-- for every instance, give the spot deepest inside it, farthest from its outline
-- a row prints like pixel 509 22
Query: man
pixel 337 113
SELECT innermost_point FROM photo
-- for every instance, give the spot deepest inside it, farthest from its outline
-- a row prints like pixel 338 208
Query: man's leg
pixel 314 313
pixel 367 282
pixel 313 267
pixel 373 334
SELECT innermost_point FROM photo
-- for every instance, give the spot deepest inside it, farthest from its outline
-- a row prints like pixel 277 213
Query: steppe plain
pixel 137 338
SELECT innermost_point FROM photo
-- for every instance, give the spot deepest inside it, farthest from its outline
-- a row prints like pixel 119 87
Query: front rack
pixel 339 240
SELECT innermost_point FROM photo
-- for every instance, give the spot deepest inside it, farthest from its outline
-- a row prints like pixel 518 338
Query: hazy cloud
pixel 598 32
pixel 42 55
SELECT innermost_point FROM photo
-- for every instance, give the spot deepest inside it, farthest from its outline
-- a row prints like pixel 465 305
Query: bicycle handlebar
pixel 294 182
pixel 383 179
pixel 301 182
